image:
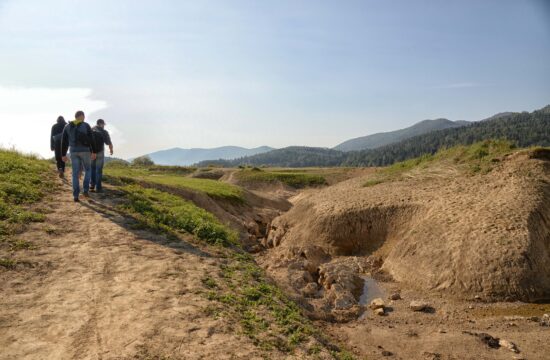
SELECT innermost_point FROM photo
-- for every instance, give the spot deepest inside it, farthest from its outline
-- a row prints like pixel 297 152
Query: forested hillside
pixel 381 139
pixel 523 129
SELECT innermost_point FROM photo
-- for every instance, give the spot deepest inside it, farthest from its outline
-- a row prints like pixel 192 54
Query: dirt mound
pixel 438 229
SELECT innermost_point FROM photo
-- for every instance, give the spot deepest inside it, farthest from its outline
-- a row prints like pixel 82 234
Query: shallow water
pixel 371 291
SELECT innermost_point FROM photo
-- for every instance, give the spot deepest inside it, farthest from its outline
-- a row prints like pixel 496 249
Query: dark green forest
pixel 523 129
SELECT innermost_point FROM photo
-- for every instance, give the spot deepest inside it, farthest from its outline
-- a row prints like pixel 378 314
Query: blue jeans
pixel 97 170
pixel 81 160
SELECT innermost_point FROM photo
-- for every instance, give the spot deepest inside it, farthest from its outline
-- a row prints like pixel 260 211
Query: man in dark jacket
pixel 55 144
pixel 102 138
pixel 78 137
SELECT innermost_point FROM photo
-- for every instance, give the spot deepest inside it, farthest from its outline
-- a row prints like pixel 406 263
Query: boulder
pixel 419 305
pixel 344 301
pixel 379 311
pixel 377 303
pixel 545 320
pixel 310 290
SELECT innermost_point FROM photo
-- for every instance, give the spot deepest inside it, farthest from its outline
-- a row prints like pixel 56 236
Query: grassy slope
pixel 242 292
pixel 476 158
pixel 295 178
pixel 24 180
pixel 215 189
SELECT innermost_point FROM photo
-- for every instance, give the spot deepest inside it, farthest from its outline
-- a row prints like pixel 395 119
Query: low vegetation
pixel 172 176
pixel 164 211
pixel 24 180
pixel 480 157
pixel 296 179
pixel 240 291
pixel 264 313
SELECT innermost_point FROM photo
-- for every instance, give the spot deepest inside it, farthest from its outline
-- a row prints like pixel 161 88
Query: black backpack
pixel 81 137
pixel 99 140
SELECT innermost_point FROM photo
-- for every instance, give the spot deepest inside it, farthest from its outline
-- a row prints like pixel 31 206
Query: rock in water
pixel 508 345
pixel 377 303
pixel 379 311
pixel 419 305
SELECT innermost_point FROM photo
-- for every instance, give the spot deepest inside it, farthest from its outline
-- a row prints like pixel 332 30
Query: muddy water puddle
pixel 371 290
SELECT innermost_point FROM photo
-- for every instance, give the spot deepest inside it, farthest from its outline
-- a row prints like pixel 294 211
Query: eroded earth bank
pixel 457 247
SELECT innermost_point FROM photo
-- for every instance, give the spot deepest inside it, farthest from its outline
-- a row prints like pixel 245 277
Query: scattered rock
pixel 419 305
pixel 395 296
pixel 387 353
pixel 442 331
pixel 545 320
pixel 508 345
pixel 379 311
pixel 377 304
pixel 432 356
pixel 533 319
pixel 310 290
pixel 489 340
pixel 470 307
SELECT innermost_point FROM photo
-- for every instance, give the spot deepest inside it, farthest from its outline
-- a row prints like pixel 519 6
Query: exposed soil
pixel 471 246
pixel 460 241
pixel 97 287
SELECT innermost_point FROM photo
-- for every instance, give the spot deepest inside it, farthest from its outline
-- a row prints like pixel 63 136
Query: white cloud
pixel 27 114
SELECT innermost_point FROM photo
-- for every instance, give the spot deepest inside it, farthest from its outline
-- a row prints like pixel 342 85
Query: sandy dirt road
pixel 95 287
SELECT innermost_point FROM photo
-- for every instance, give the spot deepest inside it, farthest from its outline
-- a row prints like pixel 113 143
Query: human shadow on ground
pixel 105 204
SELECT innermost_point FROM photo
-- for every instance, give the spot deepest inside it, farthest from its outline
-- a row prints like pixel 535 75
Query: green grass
pixel 24 180
pixel 164 211
pixel 8 263
pixel 295 178
pixel 240 291
pixel 215 189
pixel 480 157
pixel 265 314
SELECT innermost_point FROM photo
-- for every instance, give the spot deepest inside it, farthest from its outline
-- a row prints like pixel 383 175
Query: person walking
pixel 78 137
pixel 55 144
pixel 101 138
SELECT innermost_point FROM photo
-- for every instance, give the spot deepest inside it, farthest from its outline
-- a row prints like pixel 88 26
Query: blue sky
pixel 250 73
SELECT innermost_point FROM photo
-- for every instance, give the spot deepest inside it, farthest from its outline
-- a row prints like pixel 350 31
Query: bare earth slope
pixel 96 288
pixel 440 228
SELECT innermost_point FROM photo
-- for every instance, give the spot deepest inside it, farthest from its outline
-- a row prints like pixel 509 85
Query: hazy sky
pixel 211 73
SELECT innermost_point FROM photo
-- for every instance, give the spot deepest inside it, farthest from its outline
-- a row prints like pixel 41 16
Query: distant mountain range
pixel 179 156
pixel 380 139
pixel 377 149
pixel 524 129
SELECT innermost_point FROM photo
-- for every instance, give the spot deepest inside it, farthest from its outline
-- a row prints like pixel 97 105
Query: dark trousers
pixel 58 156
pixel 97 170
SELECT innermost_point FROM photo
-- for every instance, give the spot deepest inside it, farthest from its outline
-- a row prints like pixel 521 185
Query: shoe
pixel 92 187
pixel 76 200
pixel 93 190
pixel 86 194
pixel 99 191
pixel 61 174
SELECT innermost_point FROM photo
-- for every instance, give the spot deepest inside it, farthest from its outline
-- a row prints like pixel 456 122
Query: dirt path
pixel 94 287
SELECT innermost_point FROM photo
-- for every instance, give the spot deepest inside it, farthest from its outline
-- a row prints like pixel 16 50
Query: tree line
pixel 523 129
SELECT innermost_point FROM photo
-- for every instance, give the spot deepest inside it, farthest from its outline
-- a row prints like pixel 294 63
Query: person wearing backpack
pixel 101 138
pixel 55 144
pixel 78 137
